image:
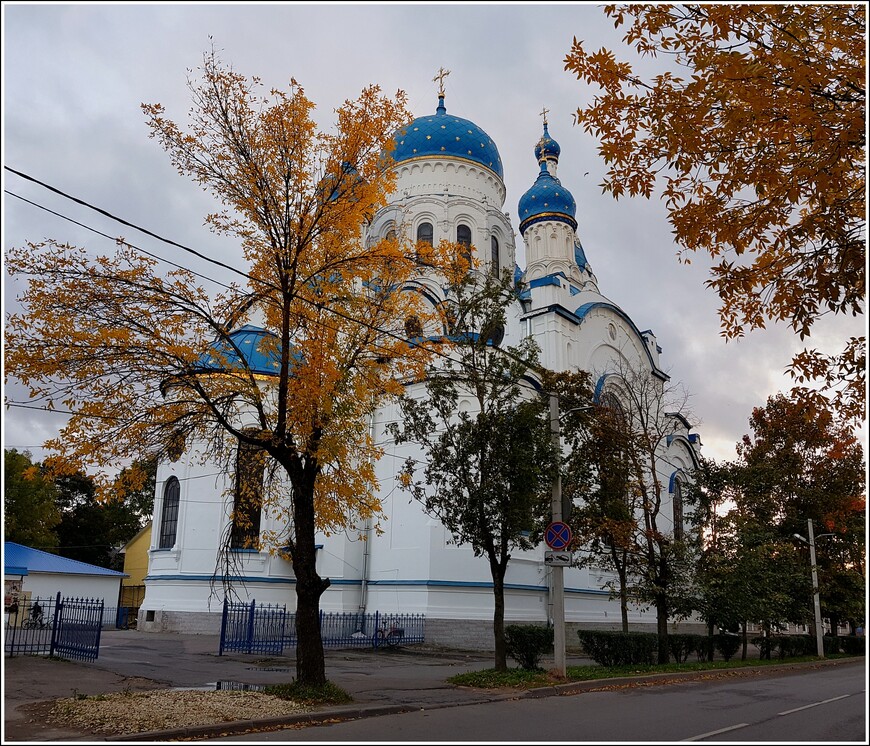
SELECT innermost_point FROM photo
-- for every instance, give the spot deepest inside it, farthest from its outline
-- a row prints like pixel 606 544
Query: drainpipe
pixel 367 537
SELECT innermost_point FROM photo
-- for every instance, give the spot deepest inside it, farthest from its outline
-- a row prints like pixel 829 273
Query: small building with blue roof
pixel 33 573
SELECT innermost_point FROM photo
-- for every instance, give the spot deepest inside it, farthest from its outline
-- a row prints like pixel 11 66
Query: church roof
pixel 442 135
pixel 249 348
pixel 547 199
pixel 547 147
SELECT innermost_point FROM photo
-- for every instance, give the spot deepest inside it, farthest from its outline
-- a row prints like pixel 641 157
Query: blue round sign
pixel 558 535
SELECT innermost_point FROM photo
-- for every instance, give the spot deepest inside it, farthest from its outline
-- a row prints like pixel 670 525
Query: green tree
pixel 624 517
pixel 797 464
pixel 489 457
pixel 30 514
pixel 92 530
pixel 753 128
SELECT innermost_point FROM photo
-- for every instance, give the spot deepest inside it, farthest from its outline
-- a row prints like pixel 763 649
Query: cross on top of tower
pixel 544 113
pixel 439 78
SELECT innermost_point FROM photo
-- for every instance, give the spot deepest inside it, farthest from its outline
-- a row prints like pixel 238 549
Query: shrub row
pixel 787 646
pixel 528 643
pixel 637 648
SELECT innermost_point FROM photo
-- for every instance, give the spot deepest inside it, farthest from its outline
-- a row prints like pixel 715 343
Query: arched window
pixel 463 237
pixel 169 517
pixel 391 235
pixel 678 510
pixel 248 499
pixel 494 265
pixel 424 233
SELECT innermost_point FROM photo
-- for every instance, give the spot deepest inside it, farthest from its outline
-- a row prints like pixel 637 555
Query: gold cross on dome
pixel 439 78
pixel 544 113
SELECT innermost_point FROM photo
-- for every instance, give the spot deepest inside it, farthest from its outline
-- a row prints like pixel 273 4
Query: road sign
pixel 557 559
pixel 558 535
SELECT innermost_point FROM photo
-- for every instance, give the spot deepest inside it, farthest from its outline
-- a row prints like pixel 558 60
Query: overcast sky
pixel 74 77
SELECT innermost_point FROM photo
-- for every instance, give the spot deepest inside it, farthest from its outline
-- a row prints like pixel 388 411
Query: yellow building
pixel 136 568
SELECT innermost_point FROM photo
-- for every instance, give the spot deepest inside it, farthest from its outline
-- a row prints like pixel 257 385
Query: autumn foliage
pixel 145 360
pixel 753 132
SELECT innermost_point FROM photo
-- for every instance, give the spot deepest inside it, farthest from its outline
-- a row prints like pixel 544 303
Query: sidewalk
pixel 380 682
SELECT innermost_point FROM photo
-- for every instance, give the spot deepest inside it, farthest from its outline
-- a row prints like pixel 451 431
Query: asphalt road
pixel 825 705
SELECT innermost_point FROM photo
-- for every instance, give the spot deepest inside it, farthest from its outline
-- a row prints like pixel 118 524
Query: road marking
pixel 716 732
pixel 815 704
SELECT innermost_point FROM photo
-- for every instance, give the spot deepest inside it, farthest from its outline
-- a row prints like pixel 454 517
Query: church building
pixel 449 186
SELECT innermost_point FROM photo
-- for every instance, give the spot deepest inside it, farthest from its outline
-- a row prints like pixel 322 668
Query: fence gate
pixel 77 625
pixel 66 628
pixel 248 628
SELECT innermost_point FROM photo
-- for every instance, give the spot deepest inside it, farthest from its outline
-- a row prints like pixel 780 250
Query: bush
pixel 790 646
pixel 853 645
pixel 526 643
pixel 620 648
pixel 831 644
pixel 706 647
pixel 727 645
pixel 765 644
pixel 683 645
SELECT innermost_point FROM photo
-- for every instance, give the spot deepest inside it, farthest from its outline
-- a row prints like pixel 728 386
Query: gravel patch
pixel 124 713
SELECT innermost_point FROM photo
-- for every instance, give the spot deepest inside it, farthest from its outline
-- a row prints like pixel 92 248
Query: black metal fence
pixel 249 628
pixel 61 627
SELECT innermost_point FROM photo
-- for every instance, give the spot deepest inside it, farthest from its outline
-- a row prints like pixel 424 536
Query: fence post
pixel 54 625
pixel 250 640
pixel 377 627
pixel 223 627
pixel 100 625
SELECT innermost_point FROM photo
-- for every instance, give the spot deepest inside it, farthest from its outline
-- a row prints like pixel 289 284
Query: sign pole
pixel 558 570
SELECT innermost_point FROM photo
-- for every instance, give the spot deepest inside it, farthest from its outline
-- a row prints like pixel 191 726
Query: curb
pixel 355 712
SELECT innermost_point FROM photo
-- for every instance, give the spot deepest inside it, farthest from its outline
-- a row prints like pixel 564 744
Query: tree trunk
pixel 711 641
pixel 498 619
pixel 310 661
pixel 743 626
pixel 662 628
pixel 623 599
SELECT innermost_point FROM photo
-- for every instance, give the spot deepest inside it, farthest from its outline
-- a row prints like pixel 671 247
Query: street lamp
pixel 817 609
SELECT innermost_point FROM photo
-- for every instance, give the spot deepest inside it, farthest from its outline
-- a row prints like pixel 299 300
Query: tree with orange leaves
pixel 147 363
pixel 754 130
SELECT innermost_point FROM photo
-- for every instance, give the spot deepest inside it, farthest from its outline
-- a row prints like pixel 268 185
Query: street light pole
pixel 817 608
pixel 557 570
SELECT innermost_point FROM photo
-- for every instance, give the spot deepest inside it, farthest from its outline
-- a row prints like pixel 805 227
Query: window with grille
pixel 248 499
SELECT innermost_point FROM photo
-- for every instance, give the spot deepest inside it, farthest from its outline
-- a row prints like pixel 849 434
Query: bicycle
pixel 390 636
pixel 37 622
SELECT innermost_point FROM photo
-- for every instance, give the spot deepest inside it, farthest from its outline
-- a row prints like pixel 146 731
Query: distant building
pixel 30 573
pixel 450 186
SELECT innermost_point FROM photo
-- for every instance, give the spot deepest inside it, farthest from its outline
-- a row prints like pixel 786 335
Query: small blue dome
pixel 248 341
pixel 547 200
pixel 442 135
pixel 547 147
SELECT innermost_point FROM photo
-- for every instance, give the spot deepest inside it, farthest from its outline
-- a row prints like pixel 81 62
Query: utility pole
pixel 817 609
pixel 557 570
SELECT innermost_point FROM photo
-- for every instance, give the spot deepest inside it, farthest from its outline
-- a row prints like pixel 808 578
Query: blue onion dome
pixel 547 147
pixel 547 200
pixel 442 135
pixel 580 255
pixel 256 346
